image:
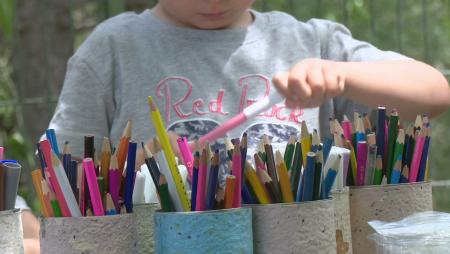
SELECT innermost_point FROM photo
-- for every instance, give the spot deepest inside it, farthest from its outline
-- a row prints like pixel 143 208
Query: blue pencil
pixel 423 161
pixel 308 177
pixel 212 182
pixel 51 136
pixel 129 180
pixel 329 181
pixel 328 142
pixel 396 171
pixel 194 181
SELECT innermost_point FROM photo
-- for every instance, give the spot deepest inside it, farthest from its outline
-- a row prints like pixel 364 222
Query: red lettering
pixel 165 86
pixel 215 106
pixel 295 115
pixel 198 103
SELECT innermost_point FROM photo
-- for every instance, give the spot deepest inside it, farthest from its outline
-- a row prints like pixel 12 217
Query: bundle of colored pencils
pixel 69 188
pixel 9 181
pixel 305 172
pixel 386 152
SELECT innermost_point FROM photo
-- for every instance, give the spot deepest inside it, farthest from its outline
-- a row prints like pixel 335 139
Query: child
pixel 205 61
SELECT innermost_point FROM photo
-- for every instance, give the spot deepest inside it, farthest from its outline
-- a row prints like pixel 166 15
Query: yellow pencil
pixel 165 143
pixel 258 188
pixel 305 142
pixel 285 182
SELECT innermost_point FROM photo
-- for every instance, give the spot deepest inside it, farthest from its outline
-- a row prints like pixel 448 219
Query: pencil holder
pixel 306 227
pixel 144 223
pixel 342 220
pixel 99 234
pixel 385 203
pixel 11 234
pixel 215 231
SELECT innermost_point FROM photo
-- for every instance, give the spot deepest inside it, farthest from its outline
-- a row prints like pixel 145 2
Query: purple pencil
pixel 114 181
pixel 361 162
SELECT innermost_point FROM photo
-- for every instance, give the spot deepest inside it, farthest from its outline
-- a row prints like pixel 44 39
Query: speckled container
pixel 294 227
pixel 215 232
pixel 114 234
pixel 385 203
pixel 11 234
pixel 144 222
pixel 342 221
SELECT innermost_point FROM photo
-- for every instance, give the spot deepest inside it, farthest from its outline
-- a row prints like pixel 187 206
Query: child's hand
pixel 310 83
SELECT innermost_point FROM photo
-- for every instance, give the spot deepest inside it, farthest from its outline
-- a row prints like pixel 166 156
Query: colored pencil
pixel 202 182
pixel 255 184
pixel 164 139
pixel 212 181
pixel 392 137
pixel 237 172
pixel 361 162
pixel 296 168
pixel 105 161
pixel 195 180
pixel 285 183
pixel 164 168
pixel 114 181
pixel 89 169
pixel 308 175
pixel 229 191
pixel 417 156
pixel 272 171
pixel 249 112
pixel 186 155
pixel 166 203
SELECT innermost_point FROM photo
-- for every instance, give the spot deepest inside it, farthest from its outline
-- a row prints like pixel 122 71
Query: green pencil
pixel 392 136
pixel 378 172
pixel 166 203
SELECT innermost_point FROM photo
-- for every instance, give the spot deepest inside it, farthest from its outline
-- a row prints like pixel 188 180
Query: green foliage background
pixel 417 28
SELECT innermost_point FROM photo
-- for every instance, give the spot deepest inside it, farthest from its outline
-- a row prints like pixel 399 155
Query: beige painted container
pixel 11 234
pixel 385 203
pixel 144 223
pixel 342 221
pixel 306 227
pixel 114 234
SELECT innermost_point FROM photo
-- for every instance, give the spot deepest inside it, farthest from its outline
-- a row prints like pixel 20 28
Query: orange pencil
pixel 36 176
pixel 122 149
pixel 229 191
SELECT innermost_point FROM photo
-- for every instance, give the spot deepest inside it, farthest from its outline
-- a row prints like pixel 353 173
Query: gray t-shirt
pixel 198 78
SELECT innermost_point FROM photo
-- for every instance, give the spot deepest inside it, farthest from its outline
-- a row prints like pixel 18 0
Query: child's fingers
pixel 280 81
pixel 299 90
pixel 316 82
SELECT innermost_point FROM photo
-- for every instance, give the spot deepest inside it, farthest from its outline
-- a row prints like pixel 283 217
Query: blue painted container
pixel 216 231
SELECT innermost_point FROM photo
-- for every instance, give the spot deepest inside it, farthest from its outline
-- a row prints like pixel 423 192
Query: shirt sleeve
pixel 338 44
pixel 85 107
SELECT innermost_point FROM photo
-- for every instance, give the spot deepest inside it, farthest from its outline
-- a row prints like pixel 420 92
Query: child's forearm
pixel 410 86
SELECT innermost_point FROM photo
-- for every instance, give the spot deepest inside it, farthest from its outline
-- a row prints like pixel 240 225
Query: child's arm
pixel 410 86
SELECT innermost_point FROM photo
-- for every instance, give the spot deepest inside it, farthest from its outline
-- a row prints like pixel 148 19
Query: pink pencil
pixel 91 177
pixel 46 150
pixel 347 127
pixel 236 166
pixel 361 163
pixel 415 163
pixel 249 112
pixel 2 150
pixel 201 185
pixel 187 155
